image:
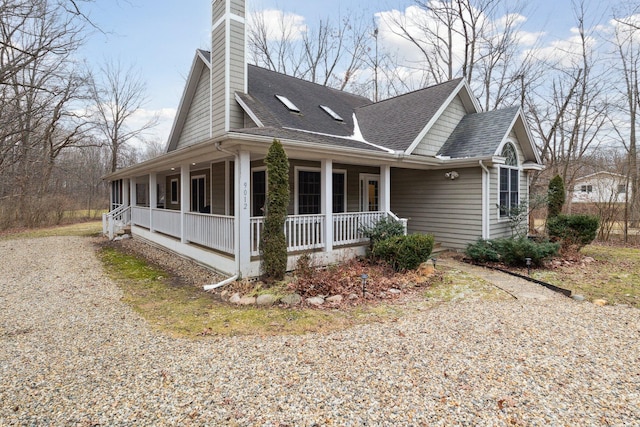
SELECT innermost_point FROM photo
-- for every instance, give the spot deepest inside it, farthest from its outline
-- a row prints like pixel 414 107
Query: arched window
pixel 509 181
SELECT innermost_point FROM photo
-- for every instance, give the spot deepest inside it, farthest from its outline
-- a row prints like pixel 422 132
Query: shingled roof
pixel 396 122
pixel 479 134
pixel 264 85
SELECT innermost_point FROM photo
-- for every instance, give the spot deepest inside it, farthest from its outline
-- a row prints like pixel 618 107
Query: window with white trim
pixel 309 191
pixel 259 191
pixel 509 181
pixel 175 195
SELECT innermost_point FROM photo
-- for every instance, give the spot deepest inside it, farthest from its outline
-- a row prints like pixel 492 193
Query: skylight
pixel 290 105
pixel 332 113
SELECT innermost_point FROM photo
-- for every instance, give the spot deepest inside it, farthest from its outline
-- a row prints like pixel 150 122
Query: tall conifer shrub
pixel 274 244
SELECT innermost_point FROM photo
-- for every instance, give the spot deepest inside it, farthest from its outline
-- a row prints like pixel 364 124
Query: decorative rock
pixel 335 299
pixel 588 260
pixel 426 269
pixel 578 297
pixel 266 299
pixel 395 291
pixel 600 302
pixel 235 298
pixel 291 299
pixel 353 296
pixel 315 300
pixel 224 295
pixel 247 300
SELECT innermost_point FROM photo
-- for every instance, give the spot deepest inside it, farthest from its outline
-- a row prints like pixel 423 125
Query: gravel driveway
pixel 72 354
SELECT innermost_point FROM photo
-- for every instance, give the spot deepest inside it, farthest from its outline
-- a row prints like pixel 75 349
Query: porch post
pixel 153 197
pixel 327 202
pixel 185 197
pixel 242 203
pixel 125 192
pixel 385 188
pixel 132 192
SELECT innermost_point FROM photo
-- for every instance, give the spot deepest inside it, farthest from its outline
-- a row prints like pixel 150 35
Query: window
pixel 141 195
pixel 339 192
pixel 586 188
pixel 175 196
pixel 290 105
pixel 308 192
pixel 198 193
pixel 622 189
pixel 335 116
pixel 369 193
pixel 509 181
pixel 259 190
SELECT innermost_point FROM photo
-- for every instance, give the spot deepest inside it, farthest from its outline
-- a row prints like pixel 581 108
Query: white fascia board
pixel 249 111
pixel 199 63
pixel 435 117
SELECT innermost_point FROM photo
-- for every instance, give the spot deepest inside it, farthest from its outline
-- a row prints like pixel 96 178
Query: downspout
pixel 233 278
pixel 486 195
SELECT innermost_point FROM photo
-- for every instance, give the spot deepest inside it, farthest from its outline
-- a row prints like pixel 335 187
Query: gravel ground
pixel 72 354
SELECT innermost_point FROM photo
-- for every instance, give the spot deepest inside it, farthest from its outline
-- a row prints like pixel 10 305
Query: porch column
pixel 132 192
pixel 153 197
pixel 125 192
pixel 385 188
pixel 242 204
pixel 326 202
pixel 185 198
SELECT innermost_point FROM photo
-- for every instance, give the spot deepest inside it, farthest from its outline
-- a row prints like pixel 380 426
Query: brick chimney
pixel 228 64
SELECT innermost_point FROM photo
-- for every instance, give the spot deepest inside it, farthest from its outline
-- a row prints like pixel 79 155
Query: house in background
pixel 600 187
pixel 429 157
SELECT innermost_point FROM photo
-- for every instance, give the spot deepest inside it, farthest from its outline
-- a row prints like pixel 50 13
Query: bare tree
pixel 329 54
pixel 118 94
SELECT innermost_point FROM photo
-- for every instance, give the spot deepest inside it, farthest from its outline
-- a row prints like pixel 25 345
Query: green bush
pixel 555 197
pixel 512 252
pixel 383 229
pixel 482 251
pixel 573 231
pixel 404 252
pixel 274 244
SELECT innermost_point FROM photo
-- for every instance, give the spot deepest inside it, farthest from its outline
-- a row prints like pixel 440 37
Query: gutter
pixel 486 190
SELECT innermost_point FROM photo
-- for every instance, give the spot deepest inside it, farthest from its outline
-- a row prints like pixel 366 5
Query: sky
pixel 158 38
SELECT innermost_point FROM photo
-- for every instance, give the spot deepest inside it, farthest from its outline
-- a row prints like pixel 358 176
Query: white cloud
pixel 279 23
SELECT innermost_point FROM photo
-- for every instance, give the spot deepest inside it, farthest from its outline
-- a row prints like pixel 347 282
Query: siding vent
pixel 290 105
pixel 332 113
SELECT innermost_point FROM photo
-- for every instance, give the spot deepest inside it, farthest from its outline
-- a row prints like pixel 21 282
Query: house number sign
pixel 246 195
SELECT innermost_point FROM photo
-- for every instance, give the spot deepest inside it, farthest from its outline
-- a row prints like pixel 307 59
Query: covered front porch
pixel 212 210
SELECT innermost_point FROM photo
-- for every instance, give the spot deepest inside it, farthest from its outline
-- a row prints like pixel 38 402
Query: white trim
pixel 319 170
pixel 191 188
pixel 249 111
pixel 177 195
pixel 436 116
pixel 518 167
pixel 266 186
pixel 227 68
pixel 362 203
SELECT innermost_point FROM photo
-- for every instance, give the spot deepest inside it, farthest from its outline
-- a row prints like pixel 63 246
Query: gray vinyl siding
pixel 196 126
pixel 218 188
pixel 218 9
pixel 450 210
pixel 237 70
pixel 441 129
pixel 237 7
pixel 499 227
pixel 218 56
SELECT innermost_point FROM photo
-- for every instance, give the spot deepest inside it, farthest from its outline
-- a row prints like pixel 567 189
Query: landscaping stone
pixel 291 299
pixel 395 291
pixel 247 300
pixel 600 302
pixel 266 299
pixel 426 269
pixel 578 297
pixel 353 296
pixel 315 300
pixel 335 299
pixel 235 298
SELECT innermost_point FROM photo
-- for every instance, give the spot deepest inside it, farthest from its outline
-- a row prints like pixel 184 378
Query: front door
pixel 369 193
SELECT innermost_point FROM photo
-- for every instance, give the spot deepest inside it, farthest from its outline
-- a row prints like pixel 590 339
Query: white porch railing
pixel 303 232
pixel 167 221
pixel 140 216
pixel 347 227
pixel 115 220
pixel 212 231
